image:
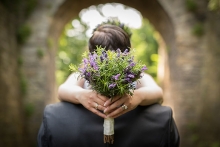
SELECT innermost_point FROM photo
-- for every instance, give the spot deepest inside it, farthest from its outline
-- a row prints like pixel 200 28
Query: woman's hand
pixel 143 96
pixel 120 105
pixel 147 93
pixel 94 102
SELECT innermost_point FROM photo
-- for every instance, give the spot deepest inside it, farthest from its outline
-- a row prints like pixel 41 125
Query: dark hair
pixel 110 37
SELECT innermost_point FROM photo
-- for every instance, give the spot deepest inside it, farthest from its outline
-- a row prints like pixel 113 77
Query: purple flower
pixel 130 75
pixel 111 86
pixel 88 74
pixel 126 51
pixel 116 76
pixel 85 61
pixel 143 68
pixel 90 56
pixel 82 70
pixel 118 52
pixel 94 56
pixel 92 61
pixel 94 65
pixel 132 64
pixel 101 58
pixel 127 69
pixel 128 80
pixel 104 54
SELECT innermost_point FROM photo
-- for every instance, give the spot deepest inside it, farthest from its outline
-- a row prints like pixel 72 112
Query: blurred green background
pixel 143 40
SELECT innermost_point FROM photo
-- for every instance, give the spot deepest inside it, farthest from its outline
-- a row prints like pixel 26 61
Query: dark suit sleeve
pixel 42 138
pixel 174 135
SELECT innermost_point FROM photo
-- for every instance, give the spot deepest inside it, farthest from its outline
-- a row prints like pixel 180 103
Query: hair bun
pixel 116 23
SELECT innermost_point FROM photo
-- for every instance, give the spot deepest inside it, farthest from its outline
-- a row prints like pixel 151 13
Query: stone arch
pixel 152 10
pixel 149 9
pixel 186 53
pixel 41 78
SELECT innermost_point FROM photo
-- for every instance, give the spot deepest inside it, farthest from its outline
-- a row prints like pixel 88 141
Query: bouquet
pixel 110 73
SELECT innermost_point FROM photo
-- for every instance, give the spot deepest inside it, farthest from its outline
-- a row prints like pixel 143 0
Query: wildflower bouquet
pixel 110 73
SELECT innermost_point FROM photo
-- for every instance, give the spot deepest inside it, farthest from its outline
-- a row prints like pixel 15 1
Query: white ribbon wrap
pixel 108 126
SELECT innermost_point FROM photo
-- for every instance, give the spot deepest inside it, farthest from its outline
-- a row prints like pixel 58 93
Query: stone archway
pixel 69 9
pixel 160 19
pixel 49 35
pixel 39 70
pixel 191 58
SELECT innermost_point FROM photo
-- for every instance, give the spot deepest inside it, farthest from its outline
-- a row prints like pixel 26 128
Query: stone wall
pixel 11 116
pixel 39 65
pixel 193 78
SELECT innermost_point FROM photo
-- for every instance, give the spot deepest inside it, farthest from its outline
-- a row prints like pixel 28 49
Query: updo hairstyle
pixel 110 37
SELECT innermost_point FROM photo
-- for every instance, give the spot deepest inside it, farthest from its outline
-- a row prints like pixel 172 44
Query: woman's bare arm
pixel 147 93
pixel 72 90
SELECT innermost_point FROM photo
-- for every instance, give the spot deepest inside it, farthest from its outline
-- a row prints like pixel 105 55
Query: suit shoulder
pixel 57 107
pixel 160 112
pixel 157 108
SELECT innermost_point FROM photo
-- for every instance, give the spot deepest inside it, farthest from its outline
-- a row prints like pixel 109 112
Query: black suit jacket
pixel 68 125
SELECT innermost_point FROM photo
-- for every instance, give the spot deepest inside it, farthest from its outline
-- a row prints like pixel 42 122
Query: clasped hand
pixel 105 107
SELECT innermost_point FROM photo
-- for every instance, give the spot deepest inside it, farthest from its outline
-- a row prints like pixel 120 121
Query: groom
pixel 68 125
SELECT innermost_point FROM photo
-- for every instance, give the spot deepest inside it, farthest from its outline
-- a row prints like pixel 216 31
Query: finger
pixel 95 99
pixel 117 112
pixel 112 100
pixel 124 109
pixel 101 108
pixel 115 105
pixel 98 113
pixel 100 104
pixel 97 106
pixel 103 98
pixel 91 107
pixel 99 101
pixel 107 103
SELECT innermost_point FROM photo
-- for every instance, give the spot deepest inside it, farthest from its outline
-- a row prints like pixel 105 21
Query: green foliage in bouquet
pixel 110 73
